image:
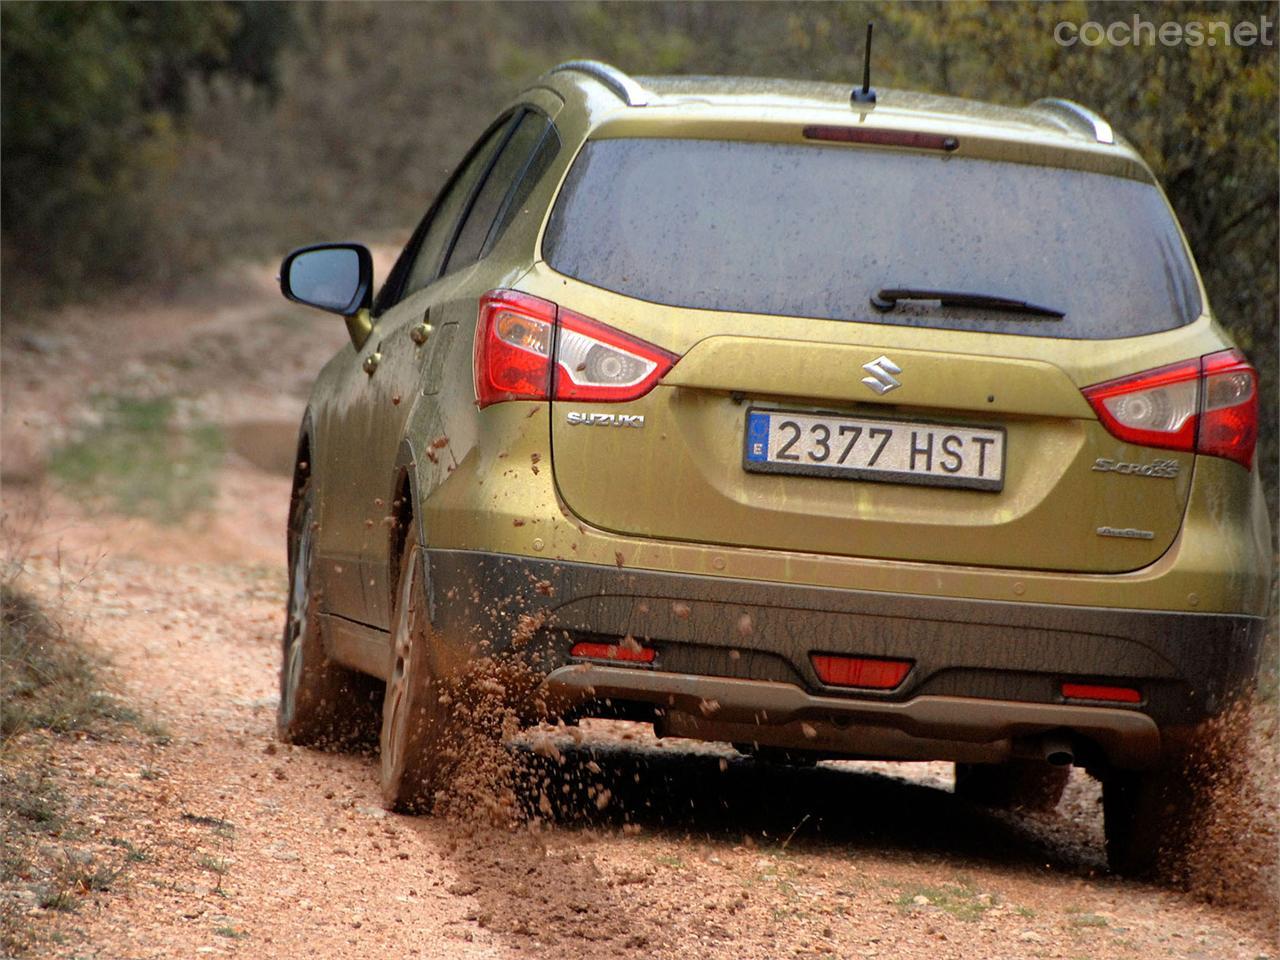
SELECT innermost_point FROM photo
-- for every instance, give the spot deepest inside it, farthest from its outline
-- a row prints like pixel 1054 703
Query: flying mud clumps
pixel 504 768
pixel 1232 857
pixel 480 788
pixel 511 762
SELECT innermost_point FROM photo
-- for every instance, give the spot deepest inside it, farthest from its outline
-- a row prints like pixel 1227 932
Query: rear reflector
pixel 881 137
pixel 1097 691
pixel 632 652
pixel 864 672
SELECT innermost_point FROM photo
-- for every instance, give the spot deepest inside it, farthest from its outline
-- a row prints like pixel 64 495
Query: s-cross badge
pixel 882 378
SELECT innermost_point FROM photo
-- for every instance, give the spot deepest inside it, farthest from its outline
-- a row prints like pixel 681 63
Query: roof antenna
pixel 866 94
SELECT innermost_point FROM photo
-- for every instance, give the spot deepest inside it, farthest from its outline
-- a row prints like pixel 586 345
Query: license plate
pixel 889 451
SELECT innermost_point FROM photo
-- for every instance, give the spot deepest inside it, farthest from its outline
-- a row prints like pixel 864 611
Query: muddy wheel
pixel 416 726
pixel 1148 820
pixel 321 702
pixel 1155 821
pixel 1025 784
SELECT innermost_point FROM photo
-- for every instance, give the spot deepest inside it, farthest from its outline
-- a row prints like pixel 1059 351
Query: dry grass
pixel 47 681
pixel 50 690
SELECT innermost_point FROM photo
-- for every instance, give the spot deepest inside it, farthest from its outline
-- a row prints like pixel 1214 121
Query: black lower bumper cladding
pixel 1186 665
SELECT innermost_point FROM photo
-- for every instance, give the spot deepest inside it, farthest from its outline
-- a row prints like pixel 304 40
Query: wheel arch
pixel 303 468
pixel 404 502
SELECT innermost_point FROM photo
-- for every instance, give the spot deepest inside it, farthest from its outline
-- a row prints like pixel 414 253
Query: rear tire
pixel 321 702
pixel 1134 821
pixel 1017 784
pixel 1182 822
pixel 1149 819
pixel 1153 819
pixel 418 731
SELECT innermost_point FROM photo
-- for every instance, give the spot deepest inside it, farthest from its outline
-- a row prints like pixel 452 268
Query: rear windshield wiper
pixel 887 299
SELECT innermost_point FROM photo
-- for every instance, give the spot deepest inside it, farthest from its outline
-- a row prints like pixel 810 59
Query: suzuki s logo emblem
pixel 882 378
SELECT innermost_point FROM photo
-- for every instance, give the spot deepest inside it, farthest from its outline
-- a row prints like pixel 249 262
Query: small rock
pixel 38 343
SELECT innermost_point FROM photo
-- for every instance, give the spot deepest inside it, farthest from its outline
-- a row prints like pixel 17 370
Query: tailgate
pixel 688 473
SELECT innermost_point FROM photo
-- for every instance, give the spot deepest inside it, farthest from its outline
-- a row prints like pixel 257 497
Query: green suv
pixel 814 425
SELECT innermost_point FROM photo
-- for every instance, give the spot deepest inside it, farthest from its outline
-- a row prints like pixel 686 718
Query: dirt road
pixel 242 846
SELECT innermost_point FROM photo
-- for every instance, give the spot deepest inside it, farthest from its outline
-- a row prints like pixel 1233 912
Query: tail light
pixel 1229 412
pixel 514 338
pixel 517 336
pixel 1208 406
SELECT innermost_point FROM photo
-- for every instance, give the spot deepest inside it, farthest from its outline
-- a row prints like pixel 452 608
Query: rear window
pixel 815 231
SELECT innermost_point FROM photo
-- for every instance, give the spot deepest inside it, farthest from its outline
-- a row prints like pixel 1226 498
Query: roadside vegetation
pixel 47 681
pixel 51 694
pixel 142 457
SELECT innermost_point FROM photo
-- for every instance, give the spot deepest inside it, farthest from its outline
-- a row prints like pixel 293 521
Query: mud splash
pixel 1233 858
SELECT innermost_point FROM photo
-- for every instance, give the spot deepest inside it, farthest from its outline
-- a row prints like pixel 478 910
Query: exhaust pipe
pixel 1057 751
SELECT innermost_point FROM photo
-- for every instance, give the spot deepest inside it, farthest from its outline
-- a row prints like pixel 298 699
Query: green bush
pixel 89 127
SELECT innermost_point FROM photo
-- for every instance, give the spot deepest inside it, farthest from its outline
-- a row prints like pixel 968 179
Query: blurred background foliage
pixel 144 142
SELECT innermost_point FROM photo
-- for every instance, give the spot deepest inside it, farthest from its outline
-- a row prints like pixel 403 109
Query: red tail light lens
pixel 516 335
pixel 1208 405
pixel 1154 409
pixel 1229 414
pixel 868 673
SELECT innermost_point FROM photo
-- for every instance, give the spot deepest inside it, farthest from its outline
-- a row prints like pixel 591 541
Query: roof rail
pixel 631 92
pixel 1080 116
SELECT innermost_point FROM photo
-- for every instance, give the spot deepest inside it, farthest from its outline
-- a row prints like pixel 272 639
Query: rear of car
pixel 901 434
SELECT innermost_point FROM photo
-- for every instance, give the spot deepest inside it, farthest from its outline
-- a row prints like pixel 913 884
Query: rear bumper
pixel 986 680
pixel 921 728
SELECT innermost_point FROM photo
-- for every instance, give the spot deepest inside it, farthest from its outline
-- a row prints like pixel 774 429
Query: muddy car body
pixel 898 430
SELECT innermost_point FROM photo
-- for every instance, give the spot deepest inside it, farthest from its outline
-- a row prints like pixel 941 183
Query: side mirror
pixel 337 277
